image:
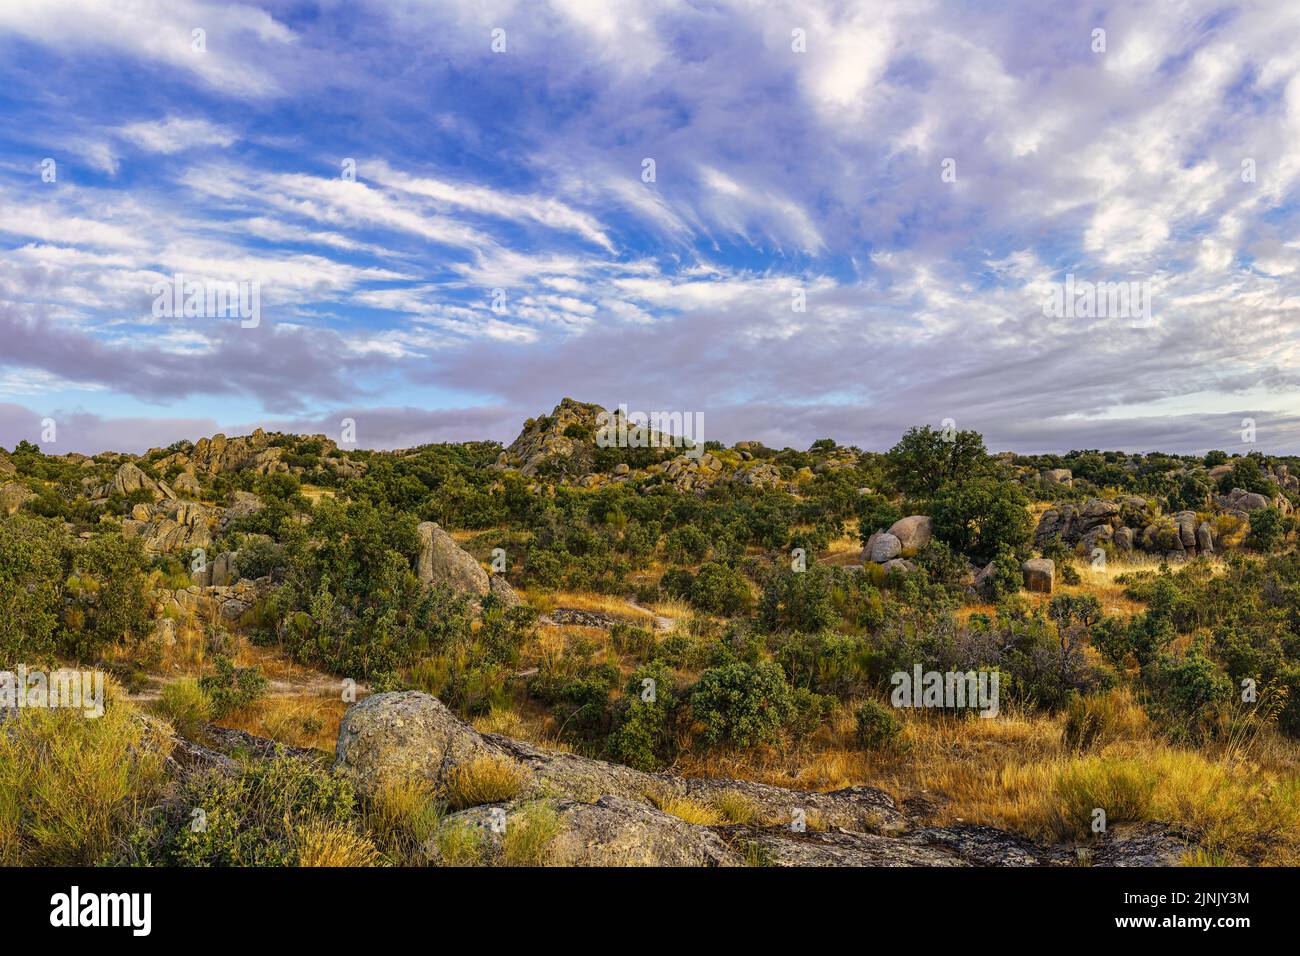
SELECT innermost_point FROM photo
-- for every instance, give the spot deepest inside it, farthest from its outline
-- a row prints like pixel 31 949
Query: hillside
pixel 650 650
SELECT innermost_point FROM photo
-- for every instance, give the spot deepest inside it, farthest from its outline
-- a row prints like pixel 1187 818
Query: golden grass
pixel 402 816
pixel 734 807
pixel 72 786
pixel 602 603
pixel 308 721
pixel 327 843
pixel 186 706
pixel 1101 583
pixel 692 811
pixel 485 779
pixel 314 493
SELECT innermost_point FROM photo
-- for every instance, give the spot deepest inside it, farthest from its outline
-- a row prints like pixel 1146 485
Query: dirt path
pixel 321 686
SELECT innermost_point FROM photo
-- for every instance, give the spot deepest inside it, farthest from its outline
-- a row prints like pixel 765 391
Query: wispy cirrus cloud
pixel 922 175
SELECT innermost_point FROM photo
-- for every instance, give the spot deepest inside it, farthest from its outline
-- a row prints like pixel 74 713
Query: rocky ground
pixel 608 814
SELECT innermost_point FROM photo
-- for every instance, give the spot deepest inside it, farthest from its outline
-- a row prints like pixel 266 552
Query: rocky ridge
pixel 609 814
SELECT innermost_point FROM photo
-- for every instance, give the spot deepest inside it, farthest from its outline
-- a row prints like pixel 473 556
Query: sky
pixel 798 220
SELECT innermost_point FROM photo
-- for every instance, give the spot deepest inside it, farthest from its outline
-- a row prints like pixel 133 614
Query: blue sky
pixel 796 147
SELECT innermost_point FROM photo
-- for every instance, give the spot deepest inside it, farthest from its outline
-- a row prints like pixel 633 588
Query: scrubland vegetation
pixel 727 630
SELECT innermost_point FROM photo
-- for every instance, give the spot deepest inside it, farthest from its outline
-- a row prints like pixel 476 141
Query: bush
pixel 877 725
pixel 231 687
pixel 1183 693
pixel 643 721
pixel 1267 529
pixel 256 818
pixel 31 568
pixel 982 518
pixel 719 589
pixel 742 704
pixel 799 600
pixel 1006 578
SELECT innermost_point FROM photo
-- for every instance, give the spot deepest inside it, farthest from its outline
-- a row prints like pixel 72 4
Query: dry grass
pixel 843 550
pixel 734 807
pixel 185 706
pixel 692 811
pixel 402 816
pixel 600 603
pixel 1101 583
pixel 528 836
pixel 459 844
pixel 314 493
pixel 485 779
pixel 321 843
pixel 307 721
pixel 71 787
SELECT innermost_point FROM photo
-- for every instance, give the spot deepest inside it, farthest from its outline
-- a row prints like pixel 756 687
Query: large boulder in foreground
pixel 408 735
pixel 443 561
pixel 913 532
pixel 389 738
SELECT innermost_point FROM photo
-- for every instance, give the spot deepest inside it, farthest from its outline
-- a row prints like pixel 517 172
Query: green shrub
pixel 720 589
pixel 231 687
pixel 982 518
pixel 1183 692
pixel 643 720
pixel 742 704
pixel 877 725
pixel 248 819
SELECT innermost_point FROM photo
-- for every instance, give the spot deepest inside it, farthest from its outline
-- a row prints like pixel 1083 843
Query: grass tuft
pixel 485 779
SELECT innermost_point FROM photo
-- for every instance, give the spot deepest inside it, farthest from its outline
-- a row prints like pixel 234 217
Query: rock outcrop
pixel 1242 502
pixel 13 496
pixel 608 815
pixel 565 438
pixel 443 561
pixel 1058 477
pixel 1130 523
pixel 173 526
pixel 881 547
pixel 130 479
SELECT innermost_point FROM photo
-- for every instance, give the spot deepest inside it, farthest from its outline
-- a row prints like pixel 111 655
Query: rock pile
pixel 1127 523
pixel 905 538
